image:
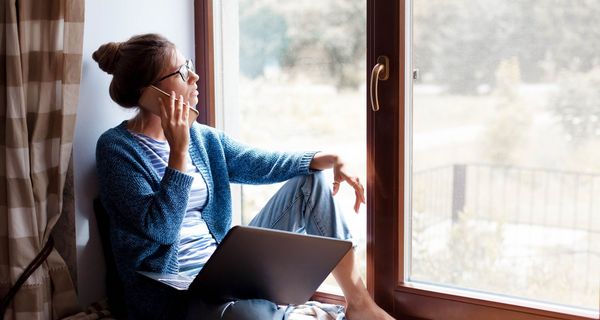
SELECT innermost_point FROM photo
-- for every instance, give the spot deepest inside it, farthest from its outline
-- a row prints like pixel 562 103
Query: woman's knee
pixel 308 183
pixel 319 177
pixel 318 180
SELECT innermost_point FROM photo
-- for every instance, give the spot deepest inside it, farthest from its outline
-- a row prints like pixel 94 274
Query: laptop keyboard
pixel 179 283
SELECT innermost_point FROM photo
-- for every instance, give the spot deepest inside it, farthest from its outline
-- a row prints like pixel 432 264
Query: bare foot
pixel 366 311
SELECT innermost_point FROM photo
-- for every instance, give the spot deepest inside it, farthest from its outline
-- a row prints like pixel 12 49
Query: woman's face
pixel 188 89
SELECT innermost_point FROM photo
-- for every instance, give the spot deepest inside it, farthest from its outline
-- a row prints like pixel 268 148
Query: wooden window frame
pixel 205 60
pixel 385 182
pixel 386 199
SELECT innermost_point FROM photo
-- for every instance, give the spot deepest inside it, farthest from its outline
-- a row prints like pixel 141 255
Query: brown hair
pixel 134 64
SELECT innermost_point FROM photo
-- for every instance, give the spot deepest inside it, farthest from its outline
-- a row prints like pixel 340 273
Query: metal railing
pixel 531 196
pixel 546 217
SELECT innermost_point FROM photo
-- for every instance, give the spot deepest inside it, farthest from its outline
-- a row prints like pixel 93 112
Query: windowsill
pixel 327 293
pixel 330 289
pixel 495 301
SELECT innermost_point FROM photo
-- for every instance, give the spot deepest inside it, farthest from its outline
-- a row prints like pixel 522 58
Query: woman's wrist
pixel 177 161
pixel 322 161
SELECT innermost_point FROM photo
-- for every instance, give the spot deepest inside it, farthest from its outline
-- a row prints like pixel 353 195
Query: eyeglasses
pixel 183 71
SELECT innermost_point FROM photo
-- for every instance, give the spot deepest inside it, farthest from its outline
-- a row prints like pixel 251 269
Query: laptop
pixel 258 263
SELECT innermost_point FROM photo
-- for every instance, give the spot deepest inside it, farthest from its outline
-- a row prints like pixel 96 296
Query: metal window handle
pixel 380 72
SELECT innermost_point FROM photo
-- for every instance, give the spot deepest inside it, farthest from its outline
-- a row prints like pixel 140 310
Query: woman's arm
pixel 250 165
pixel 128 192
pixel 322 161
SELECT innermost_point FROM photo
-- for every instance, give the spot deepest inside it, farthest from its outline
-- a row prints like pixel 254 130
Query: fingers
pixel 172 107
pixel 186 111
pixel 359 190
pixel 174 122
pixel 178 108
pixel 178 111
pixel 182 112
pixel 356 202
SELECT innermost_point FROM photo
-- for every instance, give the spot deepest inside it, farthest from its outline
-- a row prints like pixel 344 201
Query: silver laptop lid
pixel 283 267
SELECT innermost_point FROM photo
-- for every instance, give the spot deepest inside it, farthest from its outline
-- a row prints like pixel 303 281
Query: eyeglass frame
pixel 188 65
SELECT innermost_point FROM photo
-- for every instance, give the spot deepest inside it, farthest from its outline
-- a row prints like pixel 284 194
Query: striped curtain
pixel 40 54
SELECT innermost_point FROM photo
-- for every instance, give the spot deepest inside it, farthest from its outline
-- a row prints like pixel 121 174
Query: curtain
pixel 40 54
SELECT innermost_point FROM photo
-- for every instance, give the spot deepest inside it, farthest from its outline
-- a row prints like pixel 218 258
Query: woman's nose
pixel 193 76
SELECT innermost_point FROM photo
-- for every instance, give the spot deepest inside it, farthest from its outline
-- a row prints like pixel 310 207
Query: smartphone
pixel 149 101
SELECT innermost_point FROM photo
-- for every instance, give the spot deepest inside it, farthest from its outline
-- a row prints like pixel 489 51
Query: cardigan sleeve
pixel 133 198
pixel 256 166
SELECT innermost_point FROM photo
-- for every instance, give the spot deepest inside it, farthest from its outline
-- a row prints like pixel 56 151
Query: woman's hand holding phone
pixel 149 100
pixel 175 123
pixel 176 119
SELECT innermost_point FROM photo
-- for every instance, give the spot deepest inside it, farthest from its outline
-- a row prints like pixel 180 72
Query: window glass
pixel 293 78
pixel 505 159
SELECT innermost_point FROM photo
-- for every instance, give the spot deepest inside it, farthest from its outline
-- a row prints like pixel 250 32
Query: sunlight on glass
pixel 506 148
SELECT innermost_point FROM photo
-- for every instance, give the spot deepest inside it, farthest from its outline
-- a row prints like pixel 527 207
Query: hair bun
pixel 107 56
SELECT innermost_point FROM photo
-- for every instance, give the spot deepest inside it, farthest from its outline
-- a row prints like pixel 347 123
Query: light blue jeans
pixel 304 204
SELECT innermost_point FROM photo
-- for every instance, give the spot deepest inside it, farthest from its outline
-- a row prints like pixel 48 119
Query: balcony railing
pixel 485 220
pixel 539 197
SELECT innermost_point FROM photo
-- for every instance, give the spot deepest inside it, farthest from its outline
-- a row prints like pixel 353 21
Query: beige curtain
pixel 40 58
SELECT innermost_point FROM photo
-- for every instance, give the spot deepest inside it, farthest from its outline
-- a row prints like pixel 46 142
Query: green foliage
pixel 263 39
pixel 328 40
pixel 456 44
pixel 319 40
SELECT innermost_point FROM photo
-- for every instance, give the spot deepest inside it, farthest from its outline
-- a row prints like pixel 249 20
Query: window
pixel 290 79
pixel 421 129
pixel 485 164
pixel 505 149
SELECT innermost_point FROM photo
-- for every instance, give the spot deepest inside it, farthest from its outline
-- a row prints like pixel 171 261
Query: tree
pixel 328 39
pixel 320 40
pixel 263 38
pixel 460 45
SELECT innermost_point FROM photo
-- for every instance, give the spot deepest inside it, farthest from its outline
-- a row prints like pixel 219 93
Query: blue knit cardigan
pixel 146 212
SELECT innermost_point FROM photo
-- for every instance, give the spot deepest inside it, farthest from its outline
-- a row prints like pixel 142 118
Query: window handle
pixel 379 72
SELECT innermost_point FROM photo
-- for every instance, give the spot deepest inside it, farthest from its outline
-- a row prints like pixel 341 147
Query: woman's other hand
pixel 175 125
pixel 322 161
pixel 340 175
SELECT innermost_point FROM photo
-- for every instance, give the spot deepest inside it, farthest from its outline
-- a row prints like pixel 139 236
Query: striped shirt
pixel 196 244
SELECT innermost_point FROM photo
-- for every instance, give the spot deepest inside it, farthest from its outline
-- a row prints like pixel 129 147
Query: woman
pixel 165 186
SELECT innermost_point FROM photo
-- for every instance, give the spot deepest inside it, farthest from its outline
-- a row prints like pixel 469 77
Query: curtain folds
pixel 40 54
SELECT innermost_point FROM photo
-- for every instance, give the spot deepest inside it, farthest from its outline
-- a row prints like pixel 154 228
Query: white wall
pixel 105 21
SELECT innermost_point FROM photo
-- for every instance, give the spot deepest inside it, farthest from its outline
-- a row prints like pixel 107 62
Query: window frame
pixel 387 217
pixel 205 61
pixel 386 220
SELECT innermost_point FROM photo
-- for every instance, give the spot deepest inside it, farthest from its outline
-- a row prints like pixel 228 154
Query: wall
pixel 105 21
